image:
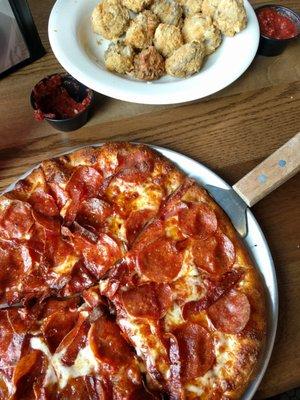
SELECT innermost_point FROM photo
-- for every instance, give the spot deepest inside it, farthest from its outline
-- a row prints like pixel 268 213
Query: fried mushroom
pixel 149 64
pixel 186 61
pixel 168 11
pixel 190 7
pixel 119 57
pixel 136 5
pixel 228 15
pixel 167 38
pixel 110 19
pixel 141 30
pixel 199 28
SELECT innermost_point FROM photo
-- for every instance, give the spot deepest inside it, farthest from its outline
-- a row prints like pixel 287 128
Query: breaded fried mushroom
pixel 149 64
pixel 199 28
pixel 136 5
pixel 191 7
pixel 167 38
pixel 186 61
pixel 119 57
pixel 168 11
pixel 110 19
pixel 141 30
pixel 228 15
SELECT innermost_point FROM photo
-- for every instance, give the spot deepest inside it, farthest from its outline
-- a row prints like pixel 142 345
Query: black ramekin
pixel 78 92
pixel 273 47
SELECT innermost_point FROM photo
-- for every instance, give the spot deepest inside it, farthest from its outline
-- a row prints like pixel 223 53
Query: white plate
pixel 81 52
pixel 257 246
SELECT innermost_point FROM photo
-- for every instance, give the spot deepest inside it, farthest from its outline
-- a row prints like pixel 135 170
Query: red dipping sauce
pixel 52 100
pixel 275 25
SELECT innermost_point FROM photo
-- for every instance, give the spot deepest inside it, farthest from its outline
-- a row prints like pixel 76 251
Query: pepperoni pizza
pixel 120 278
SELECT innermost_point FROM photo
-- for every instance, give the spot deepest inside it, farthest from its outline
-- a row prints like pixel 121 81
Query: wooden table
pixel 230 132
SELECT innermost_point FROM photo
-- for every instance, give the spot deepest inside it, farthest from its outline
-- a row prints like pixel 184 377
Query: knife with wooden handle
pixel 258 183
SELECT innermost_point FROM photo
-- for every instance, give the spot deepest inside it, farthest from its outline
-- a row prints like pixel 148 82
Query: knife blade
pixel 233 205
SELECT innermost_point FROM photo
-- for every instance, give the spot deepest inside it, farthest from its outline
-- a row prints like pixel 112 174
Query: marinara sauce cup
pixel 62 101
pixel 270 46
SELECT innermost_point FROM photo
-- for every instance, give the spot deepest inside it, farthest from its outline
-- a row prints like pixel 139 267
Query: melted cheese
pixel 188 284
pixel 4 203
pixel 150 197
pixel 84 364
pixel 173 317
pixel 226 347
pixel 67 265
pixel 149 346
pixel 145 196
pixel 116 225
pixel 64 209
pixel 172 229
pixel 194 389
pixel 108 162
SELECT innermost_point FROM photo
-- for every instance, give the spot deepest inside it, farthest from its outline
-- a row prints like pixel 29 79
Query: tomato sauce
pixel 275 25
pixel 52 100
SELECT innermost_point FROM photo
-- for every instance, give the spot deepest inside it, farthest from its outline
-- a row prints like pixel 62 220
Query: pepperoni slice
pixel 60 195
pixel 175 387
pixel 57 326
pixel 28 374
pixel 84 182
pixel 75 340
pixel 160 261
pixel 92 297
pixel 108 345
pixel 76 388
pixel 44 203
pixel 100 256
pixel 37 242
pixel 196 350
pixel 215 255
pixel 59 254
pixel 153 231
pixel 15 262
pixel 98 388
pixel 93 212
pixel 231 313
pixel 135 223
pixel 48 223
pixel 121 274
pixel 17 220
pixel 50 306
pixel 80 279
pixel 198 219
pixel 214 291
pixel 173 204
pixel 88 233
pixel 149 300
pixel 134 165
pixel 21 319
pixel 29 286
pixel 6 339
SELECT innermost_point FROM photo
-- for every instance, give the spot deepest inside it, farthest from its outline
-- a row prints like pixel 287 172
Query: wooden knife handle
pixel 271 173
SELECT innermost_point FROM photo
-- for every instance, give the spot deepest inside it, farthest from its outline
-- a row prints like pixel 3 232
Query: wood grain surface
pixel 271 173
pixel 230 132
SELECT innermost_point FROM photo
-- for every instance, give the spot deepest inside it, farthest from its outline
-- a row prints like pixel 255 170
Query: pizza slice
pixel 73 217
pixel 62 348
pixel 187 297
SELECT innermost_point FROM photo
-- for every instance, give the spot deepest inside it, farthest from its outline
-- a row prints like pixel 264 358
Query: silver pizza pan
pixel 255 242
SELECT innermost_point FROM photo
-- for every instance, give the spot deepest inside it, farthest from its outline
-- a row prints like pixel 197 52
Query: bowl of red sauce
pixel 62 101
pixel 279 25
